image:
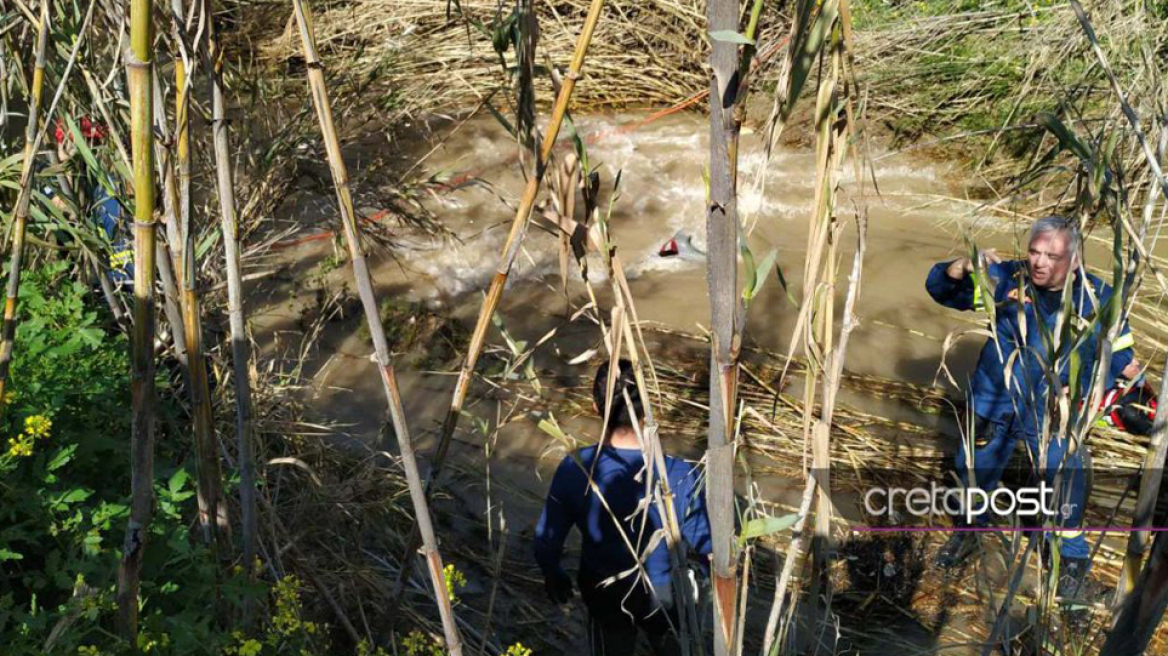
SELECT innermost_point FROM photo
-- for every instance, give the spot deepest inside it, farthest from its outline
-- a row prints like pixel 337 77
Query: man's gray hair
pixel 1058 224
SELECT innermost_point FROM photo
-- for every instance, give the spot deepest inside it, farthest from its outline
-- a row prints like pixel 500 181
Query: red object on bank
pixel 92 130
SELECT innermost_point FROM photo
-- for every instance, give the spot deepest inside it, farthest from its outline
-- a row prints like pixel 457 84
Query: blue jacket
pixel 108 214
pixel 604 552
pixel 1026 394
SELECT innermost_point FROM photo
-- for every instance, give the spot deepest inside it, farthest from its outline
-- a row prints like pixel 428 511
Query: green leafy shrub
pixel 64 485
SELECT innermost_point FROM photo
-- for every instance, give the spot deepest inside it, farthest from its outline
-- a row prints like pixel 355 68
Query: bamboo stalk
pixel 20 213
pixel 240 349
pixel 514 239
pixel 164 255
pixel 722 280
pixel 183 313
pixel 510 252
pixel 138 63
pixel 182 85
pixel 377 331
pixel 215 526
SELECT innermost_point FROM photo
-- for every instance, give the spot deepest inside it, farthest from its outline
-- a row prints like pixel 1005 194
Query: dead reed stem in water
pixel 381 348
pixel 139 61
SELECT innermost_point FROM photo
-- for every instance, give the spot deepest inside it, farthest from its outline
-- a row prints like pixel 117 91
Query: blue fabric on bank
pixel 571 502
pixel 108 213
pixel 988 390
pixel 990 461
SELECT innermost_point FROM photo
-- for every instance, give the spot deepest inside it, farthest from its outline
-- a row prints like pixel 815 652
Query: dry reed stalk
pixel 20 213
pixel 240 351
pixel 139 62
pixel 510 251
pixel 377 332
pixel 663 498
pixel 722 280
pixel 818 315
pixel 181 304
pixel 215 525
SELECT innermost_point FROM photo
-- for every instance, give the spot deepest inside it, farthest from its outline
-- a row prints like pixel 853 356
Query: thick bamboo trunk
pixel 722 280
pixel 20 213
pixel 240 348
pixel 139 62
pixel 364 284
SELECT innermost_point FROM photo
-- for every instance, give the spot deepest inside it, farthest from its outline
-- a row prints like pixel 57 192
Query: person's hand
pixel 559 587
pixel 962 267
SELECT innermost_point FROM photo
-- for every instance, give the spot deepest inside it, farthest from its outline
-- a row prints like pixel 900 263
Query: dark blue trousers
pixel 990 460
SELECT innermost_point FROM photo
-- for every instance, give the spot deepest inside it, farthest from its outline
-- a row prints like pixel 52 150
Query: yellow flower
pixel 20 446
pixel 454 579
pixel 37 426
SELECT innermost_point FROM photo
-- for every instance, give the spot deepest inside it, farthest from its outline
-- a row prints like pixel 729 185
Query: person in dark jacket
pixel 625 572
pixel 1009 387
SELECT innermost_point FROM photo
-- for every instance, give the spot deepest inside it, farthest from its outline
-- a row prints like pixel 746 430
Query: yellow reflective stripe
pixel 978 305
pixel 1069 534
pixel 121 259
pixel 1125 341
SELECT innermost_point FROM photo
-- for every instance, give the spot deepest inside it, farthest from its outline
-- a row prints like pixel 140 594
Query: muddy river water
pixel 916 218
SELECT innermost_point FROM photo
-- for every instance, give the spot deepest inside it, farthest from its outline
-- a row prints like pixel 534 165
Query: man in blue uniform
pixel 1008 392
pixel 624 579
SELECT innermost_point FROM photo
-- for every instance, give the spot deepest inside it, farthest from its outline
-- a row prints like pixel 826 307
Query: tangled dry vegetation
pixel 435 56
